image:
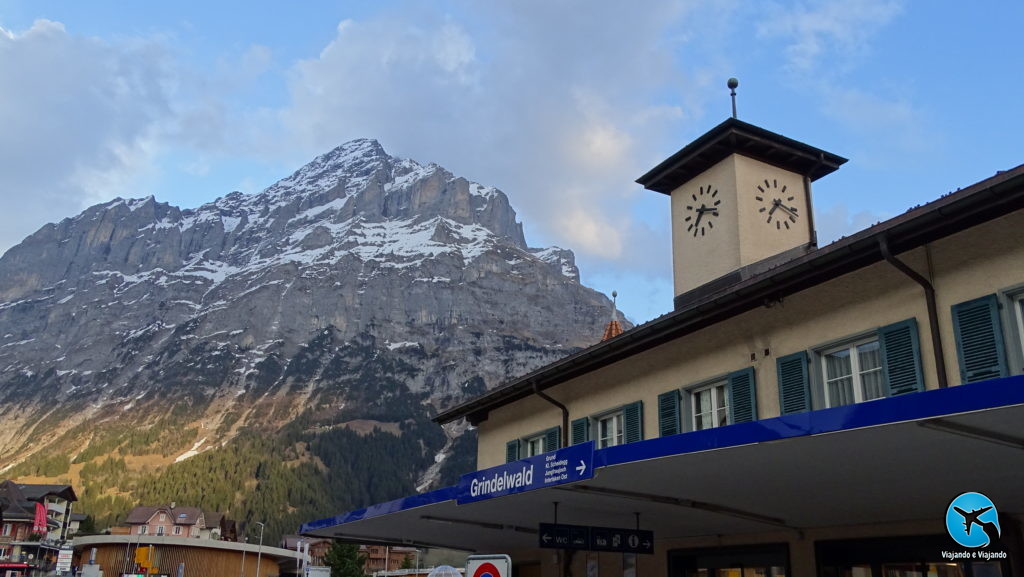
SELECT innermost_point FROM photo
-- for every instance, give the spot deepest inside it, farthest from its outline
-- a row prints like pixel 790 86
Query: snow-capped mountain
pixel 255 309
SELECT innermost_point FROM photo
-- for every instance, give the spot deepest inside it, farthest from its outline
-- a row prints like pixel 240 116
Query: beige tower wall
pixel 697 260
pixel 760 239
pixel 741 234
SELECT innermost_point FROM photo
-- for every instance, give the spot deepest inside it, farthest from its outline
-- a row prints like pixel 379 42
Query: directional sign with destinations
pixel 583 538
pixel 567 465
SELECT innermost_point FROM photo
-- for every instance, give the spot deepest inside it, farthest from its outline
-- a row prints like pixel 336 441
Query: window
pixel 1018 312
pixel 609 430
pixel 536 444
pixel 177 529
pixel 883 362
pixel 142 529
pixel 853 373
pixel 160 530
pixel 710 406
pixel 7 530
pixel 163 517
pixel 713 403
pixel 615 427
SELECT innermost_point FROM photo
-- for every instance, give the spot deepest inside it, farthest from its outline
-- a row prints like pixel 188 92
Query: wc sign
pixel 488 566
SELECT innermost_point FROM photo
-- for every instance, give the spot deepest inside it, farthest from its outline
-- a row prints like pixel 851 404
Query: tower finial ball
pixel 733 83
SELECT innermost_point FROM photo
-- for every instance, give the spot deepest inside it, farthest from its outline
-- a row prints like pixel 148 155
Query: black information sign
pixel 584 538
pixel 623 540
pixel 553 536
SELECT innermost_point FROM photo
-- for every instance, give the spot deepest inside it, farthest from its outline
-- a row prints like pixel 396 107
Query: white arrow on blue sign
pixel 568 465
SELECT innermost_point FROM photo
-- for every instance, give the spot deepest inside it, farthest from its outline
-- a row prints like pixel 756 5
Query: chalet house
pixel 174 521
pixel 35 522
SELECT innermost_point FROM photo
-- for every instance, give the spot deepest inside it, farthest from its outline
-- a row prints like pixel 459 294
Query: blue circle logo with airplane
pixel 972 520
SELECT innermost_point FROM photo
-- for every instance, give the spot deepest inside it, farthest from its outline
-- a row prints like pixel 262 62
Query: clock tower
pixel 741 202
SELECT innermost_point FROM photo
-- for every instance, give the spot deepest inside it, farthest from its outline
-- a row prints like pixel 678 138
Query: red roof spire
pixel 613 329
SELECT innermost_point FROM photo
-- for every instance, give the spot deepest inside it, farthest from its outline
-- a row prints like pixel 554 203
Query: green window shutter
pixel 668 413
pixel 794 383
pixel 901 357
pixel 979 340
pixel 580 430
pixel 552 439
pixel 633 422
pixel 742 396
pixel 512 451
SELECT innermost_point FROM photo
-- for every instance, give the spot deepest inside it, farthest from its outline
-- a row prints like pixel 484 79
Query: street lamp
pixel 259 552
pixel 245 541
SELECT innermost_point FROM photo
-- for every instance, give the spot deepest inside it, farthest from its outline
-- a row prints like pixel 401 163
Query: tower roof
pixel 613 329
pixel 736 136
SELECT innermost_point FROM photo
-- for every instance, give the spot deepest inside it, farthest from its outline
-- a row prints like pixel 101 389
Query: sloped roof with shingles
pixel 613 329
pixel 142 514
pixel 38 492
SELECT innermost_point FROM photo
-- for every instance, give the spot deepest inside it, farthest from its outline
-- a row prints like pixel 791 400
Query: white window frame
pixel 143 529
pixel 1017 305
pixel 163 517
pixel 691 405
pixel 160 531
pixel 532 446
pixel 618 433
pixel 177 530
pixel 855 372
pixel 7 530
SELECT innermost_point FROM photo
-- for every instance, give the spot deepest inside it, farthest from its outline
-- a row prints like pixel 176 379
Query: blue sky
pixel 560 104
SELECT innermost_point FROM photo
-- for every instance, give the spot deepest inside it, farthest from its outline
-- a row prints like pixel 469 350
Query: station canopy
pixel 897 459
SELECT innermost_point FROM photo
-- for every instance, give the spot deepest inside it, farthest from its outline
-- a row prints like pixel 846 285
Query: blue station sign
pixel 568 465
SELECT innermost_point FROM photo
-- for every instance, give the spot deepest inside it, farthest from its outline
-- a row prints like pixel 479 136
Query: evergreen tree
pixel 344 560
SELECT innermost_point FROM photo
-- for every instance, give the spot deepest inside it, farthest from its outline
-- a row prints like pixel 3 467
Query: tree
pixel 87 526
pixel 344 560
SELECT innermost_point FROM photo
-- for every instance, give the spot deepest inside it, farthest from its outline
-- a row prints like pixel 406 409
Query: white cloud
pixel 825 42
pixel 896 127
pixel 542 100
pixel 79 125
pixel 836 221
pixel 823 30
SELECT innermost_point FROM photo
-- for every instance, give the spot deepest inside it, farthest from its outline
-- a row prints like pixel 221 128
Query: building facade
pixel 804 410
pixel 133 554
pixel 36 521
pixel 173 521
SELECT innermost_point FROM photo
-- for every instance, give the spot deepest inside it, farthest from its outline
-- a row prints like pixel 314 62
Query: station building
pixel 803 410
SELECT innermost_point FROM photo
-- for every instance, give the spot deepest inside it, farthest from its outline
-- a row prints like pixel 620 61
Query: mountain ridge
pixel 360 287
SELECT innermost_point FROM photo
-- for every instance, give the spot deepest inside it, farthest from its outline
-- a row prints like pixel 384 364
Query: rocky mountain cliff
pixel 361 292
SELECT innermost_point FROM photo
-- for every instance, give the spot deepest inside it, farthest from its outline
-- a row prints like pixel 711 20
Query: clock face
pixel 702 213
pixel 777 205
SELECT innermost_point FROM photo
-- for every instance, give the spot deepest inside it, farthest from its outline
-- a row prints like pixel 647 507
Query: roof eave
pixel 735 136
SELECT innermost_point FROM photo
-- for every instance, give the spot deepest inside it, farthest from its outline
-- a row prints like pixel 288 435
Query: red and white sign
pixel 488 566
pixel 64 560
